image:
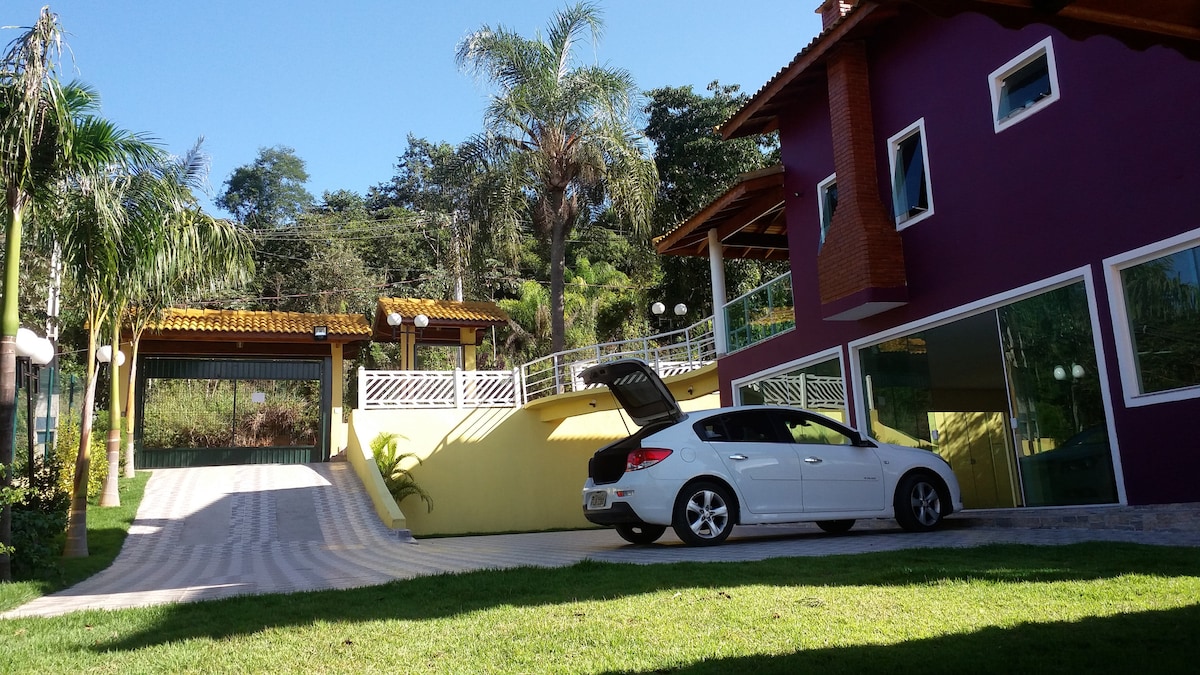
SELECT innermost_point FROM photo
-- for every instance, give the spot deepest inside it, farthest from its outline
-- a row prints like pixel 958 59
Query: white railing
pixel 804 390
pixel 670 353
pixel 393 389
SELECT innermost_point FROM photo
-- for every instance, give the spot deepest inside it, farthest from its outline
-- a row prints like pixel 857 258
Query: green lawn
pixel 1082 608
pixel 107 528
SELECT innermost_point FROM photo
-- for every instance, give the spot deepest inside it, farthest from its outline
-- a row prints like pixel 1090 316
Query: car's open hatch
pixel 638 389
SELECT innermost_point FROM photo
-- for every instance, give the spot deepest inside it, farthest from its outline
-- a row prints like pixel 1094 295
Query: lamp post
pixel 1075 374
pixel 408 347
pixel 659 311
pixel 110 494
pixel 33 352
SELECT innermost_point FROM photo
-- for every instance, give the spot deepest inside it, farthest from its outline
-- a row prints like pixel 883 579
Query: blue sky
pixel 344 82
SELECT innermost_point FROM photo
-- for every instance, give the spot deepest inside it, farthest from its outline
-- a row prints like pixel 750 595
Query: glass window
pixel 911 185
pixel 813 431
pixel 828 194
pixel 754 426
pixel 1028 85
pixel 911 198
pixel 1162 301
pixel 1024 85
pixel 818 387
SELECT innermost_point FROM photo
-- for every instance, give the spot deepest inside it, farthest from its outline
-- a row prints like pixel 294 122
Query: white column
pixel 716 267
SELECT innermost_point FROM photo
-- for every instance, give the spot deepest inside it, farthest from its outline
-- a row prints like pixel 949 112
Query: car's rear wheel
pixel 703 514
pixel 919 502
pixel 640 534
pixel 835 526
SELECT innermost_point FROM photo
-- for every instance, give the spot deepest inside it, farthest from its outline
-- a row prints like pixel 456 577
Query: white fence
pixel 671 353
pixel 396 389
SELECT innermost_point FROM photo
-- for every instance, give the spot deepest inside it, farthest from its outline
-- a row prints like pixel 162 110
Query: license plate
pixel 598 499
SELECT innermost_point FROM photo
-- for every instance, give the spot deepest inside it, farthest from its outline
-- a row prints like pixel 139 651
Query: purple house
pixel 991 211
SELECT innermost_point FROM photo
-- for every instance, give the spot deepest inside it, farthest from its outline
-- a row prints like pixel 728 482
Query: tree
pixel 186 252
pixel 134 239
pixel 696 166
pixel 270 192
pixel 560 135
pixel 46 133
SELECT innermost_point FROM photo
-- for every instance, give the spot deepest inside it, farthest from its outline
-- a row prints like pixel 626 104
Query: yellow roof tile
pixel 238 321
pixel 445 310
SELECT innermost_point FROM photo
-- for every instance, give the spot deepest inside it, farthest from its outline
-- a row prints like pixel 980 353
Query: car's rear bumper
pixel 617 514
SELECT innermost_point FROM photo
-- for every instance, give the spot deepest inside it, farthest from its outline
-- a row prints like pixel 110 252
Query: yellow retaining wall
pixel 494 469
pixel 363 461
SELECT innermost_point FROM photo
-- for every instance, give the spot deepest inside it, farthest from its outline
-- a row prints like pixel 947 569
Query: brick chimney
pixel 832 10
pixel 860 268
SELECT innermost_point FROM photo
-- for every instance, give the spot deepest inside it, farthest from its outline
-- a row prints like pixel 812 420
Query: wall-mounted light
pixel 394 319
pixel 320 333
pixel 420 321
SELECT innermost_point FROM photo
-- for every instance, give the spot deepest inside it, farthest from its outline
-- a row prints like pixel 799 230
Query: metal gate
pixel 212 411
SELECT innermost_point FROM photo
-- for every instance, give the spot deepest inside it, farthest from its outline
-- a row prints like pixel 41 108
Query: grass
pixel 107 528
pixel 1098 607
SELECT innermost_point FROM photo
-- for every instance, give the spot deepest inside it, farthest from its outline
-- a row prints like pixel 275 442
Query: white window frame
pixel 1126 358
pixel 821 216
pixel 894 142
pixel 997 77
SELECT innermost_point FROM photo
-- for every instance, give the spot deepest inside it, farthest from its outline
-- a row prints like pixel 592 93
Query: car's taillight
pixel 645 458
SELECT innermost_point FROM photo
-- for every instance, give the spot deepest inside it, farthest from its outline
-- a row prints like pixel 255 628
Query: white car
pixel 701 473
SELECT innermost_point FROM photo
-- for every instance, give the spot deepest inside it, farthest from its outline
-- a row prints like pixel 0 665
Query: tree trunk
pixel 8 421
pixel 9 322
pixel 77 543
pixel 111 494
pixel 129 405
pixel 560 217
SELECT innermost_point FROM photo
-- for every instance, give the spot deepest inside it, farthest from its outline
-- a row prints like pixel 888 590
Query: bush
pixel 39 520
pixel 66 448
pixel 398 480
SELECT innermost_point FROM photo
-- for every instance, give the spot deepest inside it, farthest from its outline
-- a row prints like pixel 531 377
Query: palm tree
pixel 45 135
pixel 136 239
pixel 559 135
pixel 193 253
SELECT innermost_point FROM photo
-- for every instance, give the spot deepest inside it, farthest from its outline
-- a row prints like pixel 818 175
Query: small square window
pixel 1024 85
pixel 912 199
pixel 827 194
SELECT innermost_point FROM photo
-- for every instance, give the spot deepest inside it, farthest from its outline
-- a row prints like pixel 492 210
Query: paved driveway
pixel 215 532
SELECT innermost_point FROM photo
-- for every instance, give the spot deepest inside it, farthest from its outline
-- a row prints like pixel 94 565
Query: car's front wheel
pixel 703 514
pixel 640 534
pixel 919 502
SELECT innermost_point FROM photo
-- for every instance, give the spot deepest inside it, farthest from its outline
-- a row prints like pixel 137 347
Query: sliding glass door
pixel 1009 397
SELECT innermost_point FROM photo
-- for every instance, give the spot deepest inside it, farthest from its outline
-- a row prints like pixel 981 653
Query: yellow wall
pixel 497 469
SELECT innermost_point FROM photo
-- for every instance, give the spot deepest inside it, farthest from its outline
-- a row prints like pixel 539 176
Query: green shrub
pixel 398 480
pixel 39 521
pixel 66 449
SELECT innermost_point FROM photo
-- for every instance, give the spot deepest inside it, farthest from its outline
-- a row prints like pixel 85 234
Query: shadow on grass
pixel 444 596
pixel 1161 641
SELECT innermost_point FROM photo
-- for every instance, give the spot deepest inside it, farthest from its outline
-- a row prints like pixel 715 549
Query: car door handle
pixel 813 460
pixel 739 457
